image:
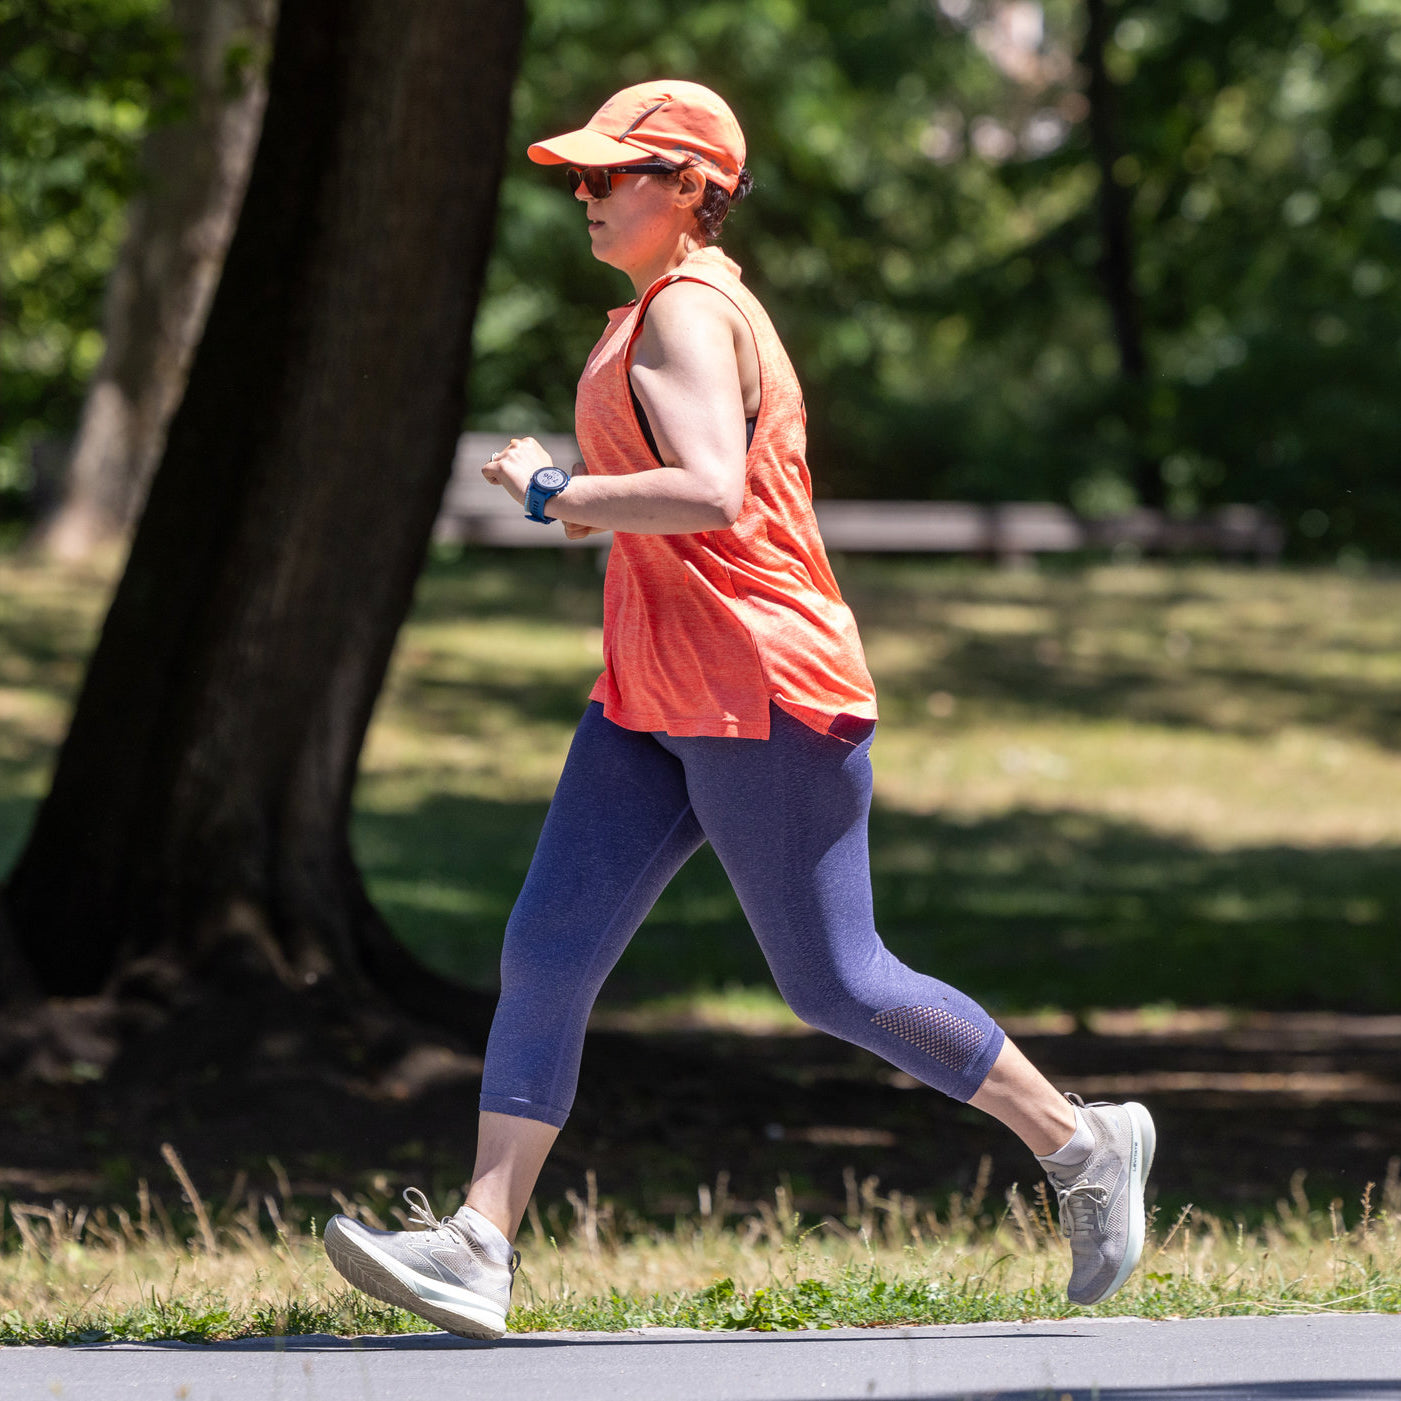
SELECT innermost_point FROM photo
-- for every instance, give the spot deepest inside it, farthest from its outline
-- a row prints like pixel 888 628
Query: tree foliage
pixel 925 231
pixel 80 83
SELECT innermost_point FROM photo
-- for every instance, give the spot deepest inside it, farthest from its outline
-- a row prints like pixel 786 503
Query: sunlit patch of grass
pixel 754 1010
pixel 1304 787
pixel 246 1271
pixel 1059 751
pixel 1232 706
pixel 1075 769
pixel 48 622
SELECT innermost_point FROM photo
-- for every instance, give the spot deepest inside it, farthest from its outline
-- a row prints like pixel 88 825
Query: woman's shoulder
pixel 685 315
pixel 689 297
pixel 708 280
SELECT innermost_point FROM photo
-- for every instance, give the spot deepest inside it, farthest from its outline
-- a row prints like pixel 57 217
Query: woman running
pixel 734 707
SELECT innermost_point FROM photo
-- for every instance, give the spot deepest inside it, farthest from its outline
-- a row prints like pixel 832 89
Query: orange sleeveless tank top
pixel 702 631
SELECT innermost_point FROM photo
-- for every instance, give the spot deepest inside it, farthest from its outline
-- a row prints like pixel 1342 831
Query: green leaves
pixel 924 231
pixel 80 83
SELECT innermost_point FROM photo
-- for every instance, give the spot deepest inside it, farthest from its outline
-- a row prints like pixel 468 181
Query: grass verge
pixel 110 1275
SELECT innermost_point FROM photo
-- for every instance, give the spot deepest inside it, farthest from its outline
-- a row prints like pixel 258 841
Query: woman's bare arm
pixel 686 376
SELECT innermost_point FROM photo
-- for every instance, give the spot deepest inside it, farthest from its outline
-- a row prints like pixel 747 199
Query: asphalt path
pixel 1349 1357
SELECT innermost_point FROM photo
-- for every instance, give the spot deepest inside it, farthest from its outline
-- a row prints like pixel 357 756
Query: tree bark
pixel 198 819
pixel 1116 267
pixel 158 294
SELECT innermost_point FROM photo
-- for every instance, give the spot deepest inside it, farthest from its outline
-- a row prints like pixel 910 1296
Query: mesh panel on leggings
pixel 951 1040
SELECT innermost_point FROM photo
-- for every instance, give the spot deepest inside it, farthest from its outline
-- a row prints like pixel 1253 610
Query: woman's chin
pixel 603 253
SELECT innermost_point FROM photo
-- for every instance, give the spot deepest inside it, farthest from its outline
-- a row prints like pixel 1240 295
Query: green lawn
pixel 1104 787
pixel 1097 787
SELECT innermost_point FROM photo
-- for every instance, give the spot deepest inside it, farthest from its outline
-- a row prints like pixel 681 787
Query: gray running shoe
pixel 443 1273
pixel 1101 1199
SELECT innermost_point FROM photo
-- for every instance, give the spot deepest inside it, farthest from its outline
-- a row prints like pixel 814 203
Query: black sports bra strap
pixel 646 427
pixel 637 408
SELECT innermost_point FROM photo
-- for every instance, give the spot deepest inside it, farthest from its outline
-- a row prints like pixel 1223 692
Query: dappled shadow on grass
pixel 1022 911
pixel 477 582
pixel 453 706
pixel 1076 911
pixel 1234 699
pixel 1241 652
pixel 49 628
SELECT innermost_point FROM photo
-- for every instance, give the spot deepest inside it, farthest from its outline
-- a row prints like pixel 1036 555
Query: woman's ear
pixel 690 189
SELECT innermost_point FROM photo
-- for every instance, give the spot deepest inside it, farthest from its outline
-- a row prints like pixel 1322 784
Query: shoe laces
pixel 1079 1206
pixel 421 1214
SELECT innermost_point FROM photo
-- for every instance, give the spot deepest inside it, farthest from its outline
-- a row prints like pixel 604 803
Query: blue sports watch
pixel 547 482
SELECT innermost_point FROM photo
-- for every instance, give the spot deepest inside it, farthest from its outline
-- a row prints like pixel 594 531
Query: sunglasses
pixel 598 179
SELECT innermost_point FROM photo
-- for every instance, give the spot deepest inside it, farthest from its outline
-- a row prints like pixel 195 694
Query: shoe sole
pixel 1141 1150
pixel 372 1272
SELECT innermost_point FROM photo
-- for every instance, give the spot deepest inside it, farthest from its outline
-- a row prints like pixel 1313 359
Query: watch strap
pixel 536 496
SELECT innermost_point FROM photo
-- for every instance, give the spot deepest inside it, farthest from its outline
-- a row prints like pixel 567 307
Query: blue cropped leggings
pixel 787 817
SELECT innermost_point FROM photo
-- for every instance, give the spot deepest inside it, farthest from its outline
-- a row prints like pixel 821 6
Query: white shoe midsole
pixel 1141 1159
pixel 453 1298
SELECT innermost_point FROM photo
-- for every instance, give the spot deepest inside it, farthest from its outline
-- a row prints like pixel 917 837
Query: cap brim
pixel 585 147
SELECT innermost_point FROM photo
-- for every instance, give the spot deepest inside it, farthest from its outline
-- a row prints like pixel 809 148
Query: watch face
pixel 551 478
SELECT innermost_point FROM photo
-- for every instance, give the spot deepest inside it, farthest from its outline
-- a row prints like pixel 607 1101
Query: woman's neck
pixel 644 276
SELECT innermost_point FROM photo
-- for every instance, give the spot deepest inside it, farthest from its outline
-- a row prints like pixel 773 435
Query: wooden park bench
pixel 474 512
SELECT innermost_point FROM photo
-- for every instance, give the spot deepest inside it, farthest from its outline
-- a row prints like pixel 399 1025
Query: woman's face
pixel 643 219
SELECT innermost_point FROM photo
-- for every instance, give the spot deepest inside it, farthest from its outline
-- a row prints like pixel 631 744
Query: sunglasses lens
pixel 597 182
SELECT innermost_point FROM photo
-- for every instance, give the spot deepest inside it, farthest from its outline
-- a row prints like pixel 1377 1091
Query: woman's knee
pixel 833 1000
pixel 539 957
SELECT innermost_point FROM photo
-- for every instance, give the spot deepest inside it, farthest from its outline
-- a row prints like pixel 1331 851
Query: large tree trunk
pixel 178 230
pixel 1116 265
pixel 197 822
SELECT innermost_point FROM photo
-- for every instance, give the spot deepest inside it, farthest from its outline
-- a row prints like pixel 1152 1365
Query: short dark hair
pixel 716 201
pixel 715 204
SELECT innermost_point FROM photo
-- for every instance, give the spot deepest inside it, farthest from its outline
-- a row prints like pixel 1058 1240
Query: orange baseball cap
pixel 668 119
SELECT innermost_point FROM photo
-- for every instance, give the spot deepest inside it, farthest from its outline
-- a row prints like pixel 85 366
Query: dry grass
pixel 243 1269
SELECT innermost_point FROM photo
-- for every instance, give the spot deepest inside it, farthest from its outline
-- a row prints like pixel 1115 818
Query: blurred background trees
pixel 194 169
pixel 929 228
pixel 80 84
pixel 926 230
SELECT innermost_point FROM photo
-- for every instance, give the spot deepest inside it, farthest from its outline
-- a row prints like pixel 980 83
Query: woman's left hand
pixel 513 467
